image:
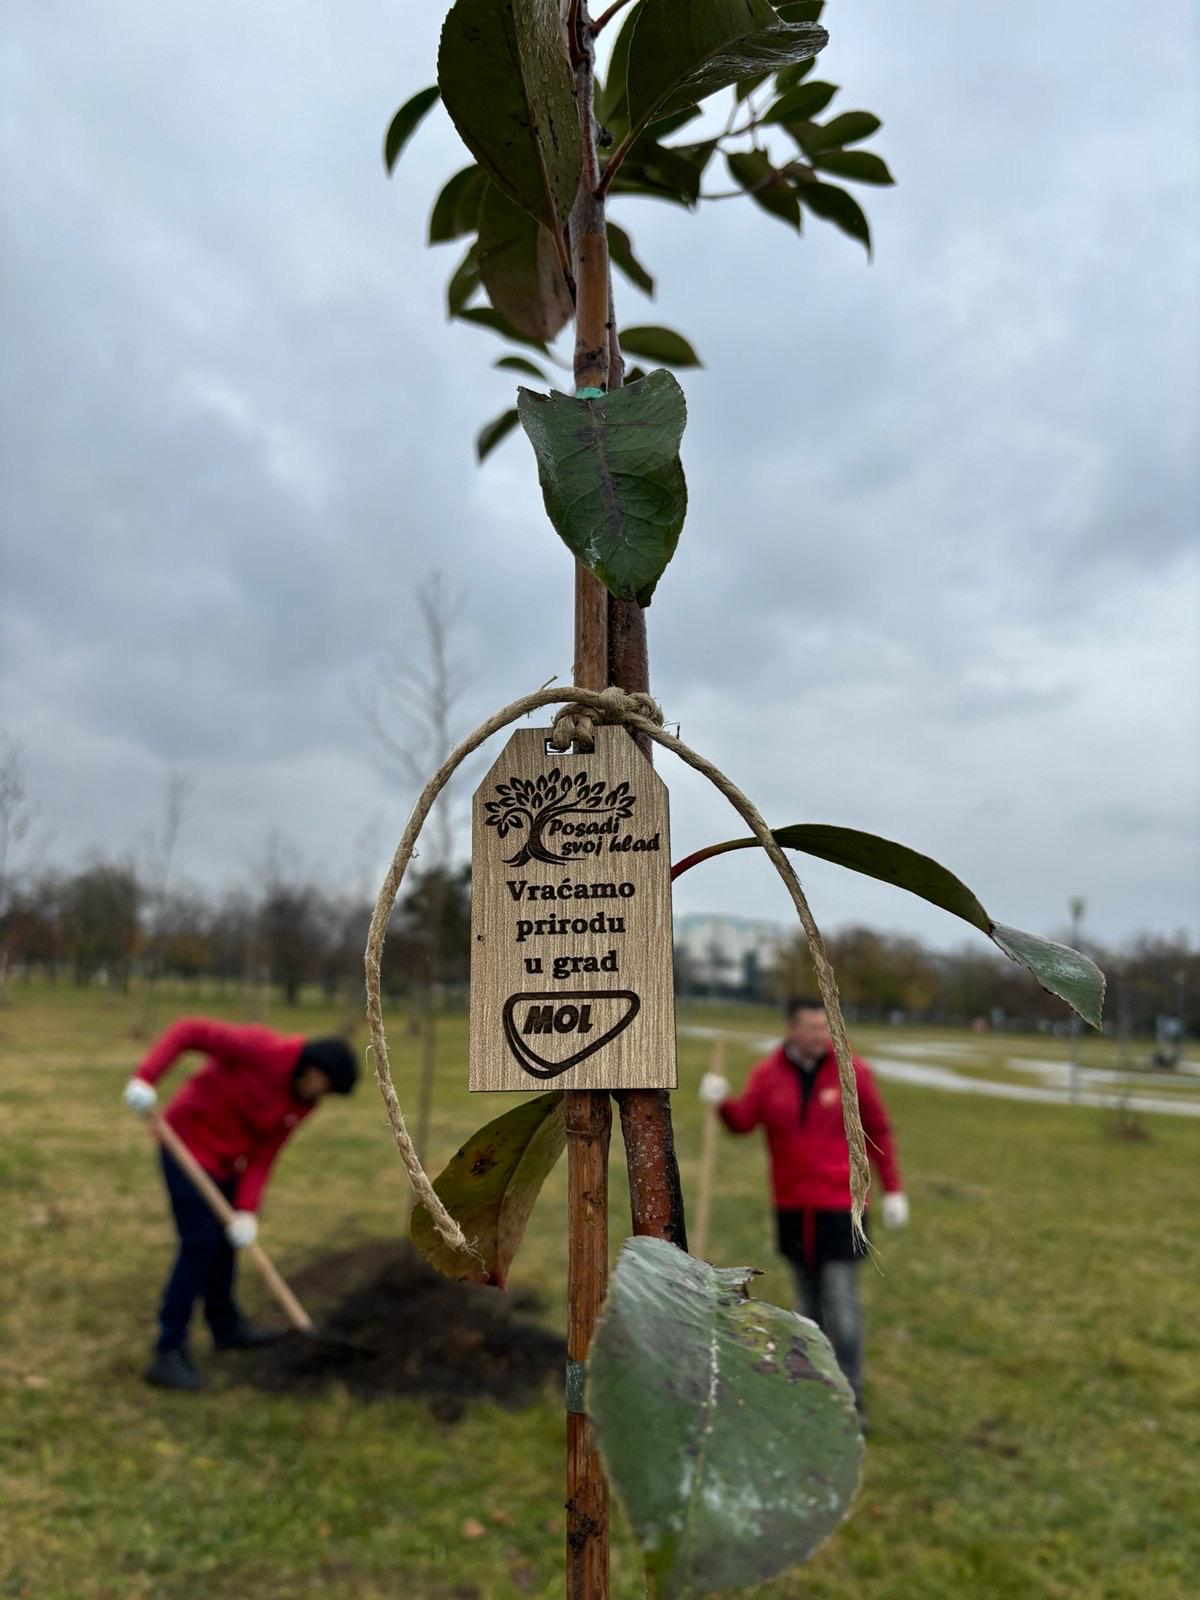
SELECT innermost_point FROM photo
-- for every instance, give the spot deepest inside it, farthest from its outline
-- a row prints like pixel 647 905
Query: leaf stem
pixel 606 17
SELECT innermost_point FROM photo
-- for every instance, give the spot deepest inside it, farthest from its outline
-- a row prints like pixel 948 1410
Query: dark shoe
pixel 247 1337
pixel 173 1369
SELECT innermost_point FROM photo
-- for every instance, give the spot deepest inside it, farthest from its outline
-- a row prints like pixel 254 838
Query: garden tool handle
pixel 708 1157
pixel 272 1277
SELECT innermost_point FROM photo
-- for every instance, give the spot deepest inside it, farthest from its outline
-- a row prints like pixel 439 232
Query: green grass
pixel 1033 1375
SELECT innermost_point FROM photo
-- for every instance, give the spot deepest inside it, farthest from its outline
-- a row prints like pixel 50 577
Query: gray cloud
pixel 939 575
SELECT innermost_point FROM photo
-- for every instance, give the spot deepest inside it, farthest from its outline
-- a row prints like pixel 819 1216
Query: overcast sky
pixel 939 575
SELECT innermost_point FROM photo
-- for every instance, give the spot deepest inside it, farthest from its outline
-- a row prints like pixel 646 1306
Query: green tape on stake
pixel 576 1374
pixel 590 394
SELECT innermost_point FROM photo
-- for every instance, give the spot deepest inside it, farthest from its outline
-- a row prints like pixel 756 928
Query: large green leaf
pixel 659 344
pixel 1062 971
pixel 456 209
pixel 490 1187
pixel 724 1422
pixel 680 54
pixel 506 82
pixel 404 124
pixel 493 433
pixel 753 170
pixel 620 251
pixel 612 479
pixel 519 267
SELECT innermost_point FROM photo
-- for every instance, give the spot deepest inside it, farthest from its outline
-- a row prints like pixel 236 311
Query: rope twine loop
pixel 575 723
pixel 581 710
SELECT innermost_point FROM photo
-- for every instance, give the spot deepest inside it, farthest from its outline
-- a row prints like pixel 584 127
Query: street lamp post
pixel 1077 905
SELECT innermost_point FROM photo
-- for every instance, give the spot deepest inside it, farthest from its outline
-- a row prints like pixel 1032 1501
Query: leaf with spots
pixel 724 1422
pixel 490 1188
pixel 612 479
pixel 505 79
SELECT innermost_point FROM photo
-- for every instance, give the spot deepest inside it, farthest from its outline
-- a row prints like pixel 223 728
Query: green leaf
pixel 612 479
pixel 724 1422
pixel 612 99
pixel 849 128
pixel 659 344
pixel 519 364
pixel 634 374
pixel 463 284
pixel 490 1187
pixel 404 124
pixel 519 267
pixel 493 433
pixel 487 317
pixel 794 75
pixel 1062 971
pixel 456 210
pixel 670 172
pixel 838 207
pixel 678 55
pixel 620 250
pixel 506 82
pixel 753 171
pixel 860 165
pixel 798 104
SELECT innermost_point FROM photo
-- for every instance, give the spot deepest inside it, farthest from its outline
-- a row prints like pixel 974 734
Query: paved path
pixel 951 1082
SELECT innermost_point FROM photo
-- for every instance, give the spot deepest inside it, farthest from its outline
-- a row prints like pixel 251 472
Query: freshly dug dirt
pixel 417 1334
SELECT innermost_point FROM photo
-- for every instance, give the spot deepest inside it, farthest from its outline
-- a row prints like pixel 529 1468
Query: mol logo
pixel 551 1033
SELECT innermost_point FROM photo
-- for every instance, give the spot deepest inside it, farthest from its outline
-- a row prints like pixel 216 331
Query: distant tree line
pixel 885 977
pixel 109 922
pixel 106 923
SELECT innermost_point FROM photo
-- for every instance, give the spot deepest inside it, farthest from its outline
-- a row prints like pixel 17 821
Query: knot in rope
pixel 574 724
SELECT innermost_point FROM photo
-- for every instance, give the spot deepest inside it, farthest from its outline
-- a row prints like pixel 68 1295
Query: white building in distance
pixel 719 954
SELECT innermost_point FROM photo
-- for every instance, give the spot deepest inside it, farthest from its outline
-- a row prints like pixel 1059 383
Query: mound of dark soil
pixel 406 1330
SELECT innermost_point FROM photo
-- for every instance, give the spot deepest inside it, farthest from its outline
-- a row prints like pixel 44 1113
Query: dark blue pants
pixel 204 1267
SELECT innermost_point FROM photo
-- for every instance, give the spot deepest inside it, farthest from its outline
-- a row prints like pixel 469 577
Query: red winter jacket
pixel 236 1111
pixel 810 1160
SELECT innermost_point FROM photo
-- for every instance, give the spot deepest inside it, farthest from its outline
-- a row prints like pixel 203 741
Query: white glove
pixel 714 1088
pixel 243 1230
pixel 140 1096
pixel 895 1210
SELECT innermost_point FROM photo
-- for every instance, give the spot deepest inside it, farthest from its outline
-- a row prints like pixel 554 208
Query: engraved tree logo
pixel 534 803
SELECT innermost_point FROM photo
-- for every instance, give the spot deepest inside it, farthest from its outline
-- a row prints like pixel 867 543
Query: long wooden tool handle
pixel 272 1277
pixel 708 1157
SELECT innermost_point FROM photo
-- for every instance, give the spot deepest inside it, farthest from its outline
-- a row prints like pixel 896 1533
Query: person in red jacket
pixel 234 1115
pixel 794 1096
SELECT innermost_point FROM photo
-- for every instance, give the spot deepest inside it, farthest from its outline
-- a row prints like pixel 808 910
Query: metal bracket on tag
pixel 576 1374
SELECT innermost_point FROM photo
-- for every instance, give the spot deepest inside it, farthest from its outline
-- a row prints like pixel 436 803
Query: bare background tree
pixel 16 820
pixel 178 791
pixel 412 709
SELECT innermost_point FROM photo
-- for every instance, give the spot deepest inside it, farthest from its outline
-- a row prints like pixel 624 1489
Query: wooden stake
pixel 708 1155
pixel 589 1123
pixel 588 1112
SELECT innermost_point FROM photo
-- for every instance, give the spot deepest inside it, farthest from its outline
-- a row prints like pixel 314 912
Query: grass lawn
pixel 1033 1372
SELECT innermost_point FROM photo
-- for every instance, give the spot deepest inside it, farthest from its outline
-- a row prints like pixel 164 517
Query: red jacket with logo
pixel 810 1160
pixel 235 1113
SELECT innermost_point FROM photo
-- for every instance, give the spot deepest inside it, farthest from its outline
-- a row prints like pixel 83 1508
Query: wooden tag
pixel 571 952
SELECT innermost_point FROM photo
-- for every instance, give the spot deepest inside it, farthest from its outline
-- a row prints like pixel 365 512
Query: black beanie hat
pixel 335 1059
